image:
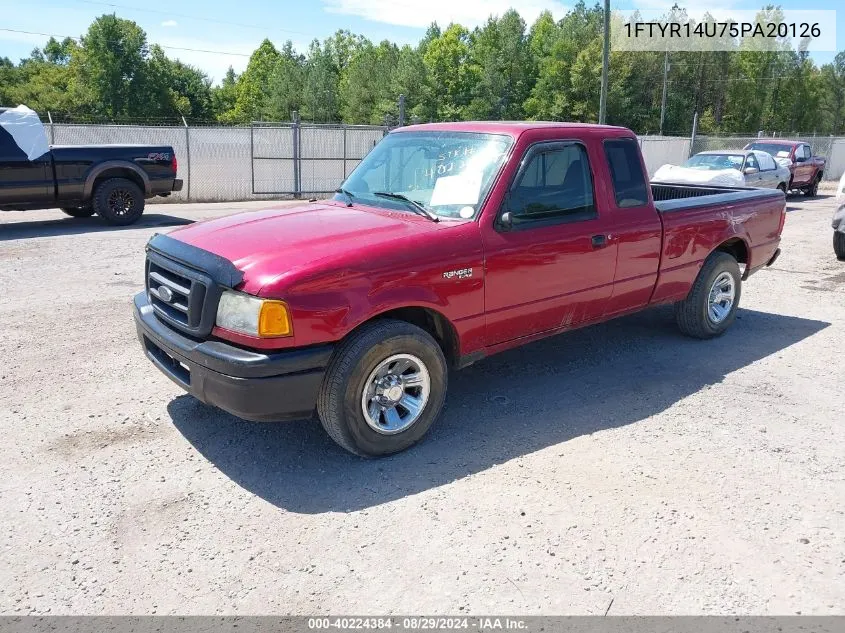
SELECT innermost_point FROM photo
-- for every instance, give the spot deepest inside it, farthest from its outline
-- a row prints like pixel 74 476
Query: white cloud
pixel 420 14
pixel 169 23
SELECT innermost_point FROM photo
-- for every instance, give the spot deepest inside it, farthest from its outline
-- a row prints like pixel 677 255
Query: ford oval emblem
pixel 165 294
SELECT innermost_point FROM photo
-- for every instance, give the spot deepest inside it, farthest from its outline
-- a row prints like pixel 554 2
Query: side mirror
pixel 750 170
pixel 506 221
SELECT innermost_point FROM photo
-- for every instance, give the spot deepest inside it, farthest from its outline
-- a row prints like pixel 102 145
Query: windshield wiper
pixel 349 196
pixel 415 206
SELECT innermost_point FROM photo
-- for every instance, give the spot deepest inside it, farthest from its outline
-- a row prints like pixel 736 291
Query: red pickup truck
pixel 448 243
pixel 806 170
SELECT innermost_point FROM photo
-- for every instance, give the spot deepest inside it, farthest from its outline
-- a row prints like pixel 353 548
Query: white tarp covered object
pixel 700 173
pixel 25 128
pixel 680 174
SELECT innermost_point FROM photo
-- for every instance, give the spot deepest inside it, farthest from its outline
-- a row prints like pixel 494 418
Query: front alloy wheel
pixel 383 389
pixel 395 394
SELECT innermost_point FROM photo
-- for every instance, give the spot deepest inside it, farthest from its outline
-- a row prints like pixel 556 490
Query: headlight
pixel 250 315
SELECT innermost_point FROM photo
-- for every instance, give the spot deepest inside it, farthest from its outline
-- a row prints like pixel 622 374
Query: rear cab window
pixel 626 172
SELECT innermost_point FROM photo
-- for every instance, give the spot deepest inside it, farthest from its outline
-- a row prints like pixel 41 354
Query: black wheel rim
pixel 121 202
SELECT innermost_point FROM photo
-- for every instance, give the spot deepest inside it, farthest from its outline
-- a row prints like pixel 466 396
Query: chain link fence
pixel 267 160
pixel 220 164
pixel 297 159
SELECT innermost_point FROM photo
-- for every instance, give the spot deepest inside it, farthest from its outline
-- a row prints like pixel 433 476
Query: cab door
pixel 751 172
pixel 635 227
pixel 803 169
pixel 550 256
pixel 768 170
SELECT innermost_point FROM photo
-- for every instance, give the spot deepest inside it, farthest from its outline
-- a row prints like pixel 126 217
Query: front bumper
pixel 249 384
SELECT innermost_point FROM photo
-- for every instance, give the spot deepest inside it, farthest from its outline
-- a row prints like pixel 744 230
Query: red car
pixel 448 243
pixel 806 169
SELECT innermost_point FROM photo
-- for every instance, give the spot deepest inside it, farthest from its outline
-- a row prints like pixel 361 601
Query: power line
pixel 190 17
pixel 172 48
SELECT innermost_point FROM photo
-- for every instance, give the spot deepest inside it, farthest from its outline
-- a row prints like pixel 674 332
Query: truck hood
pixel 269 243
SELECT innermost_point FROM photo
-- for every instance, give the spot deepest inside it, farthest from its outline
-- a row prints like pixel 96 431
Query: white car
pixel 839 221
pixel 728 168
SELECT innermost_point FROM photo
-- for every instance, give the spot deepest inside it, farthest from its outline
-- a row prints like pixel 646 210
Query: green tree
pixel 224 96
pixel 286 84
pixel 320 90
pixel 451 75
pixel 553 96
pixel 409 78
pixel 39 84
pixel 8 80
pixel 109 69
pixel 501 55
pixel 832 77
pixel 252 98
pixel 181 90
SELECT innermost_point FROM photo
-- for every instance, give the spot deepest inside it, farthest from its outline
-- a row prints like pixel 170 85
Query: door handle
pixel 599 241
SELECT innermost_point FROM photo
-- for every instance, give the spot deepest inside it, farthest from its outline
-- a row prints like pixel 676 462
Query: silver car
pixel 732 168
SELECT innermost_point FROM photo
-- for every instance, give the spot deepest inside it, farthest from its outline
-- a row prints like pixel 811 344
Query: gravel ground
pixel 620 467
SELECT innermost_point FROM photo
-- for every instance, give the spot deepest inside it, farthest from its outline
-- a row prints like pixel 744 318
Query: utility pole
pixel 605 62
pixel 694 133
pixel 665 81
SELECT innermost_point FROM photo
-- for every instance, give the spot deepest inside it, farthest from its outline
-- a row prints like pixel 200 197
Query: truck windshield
pixel 778 150
pixel 715 162
pixel 448 173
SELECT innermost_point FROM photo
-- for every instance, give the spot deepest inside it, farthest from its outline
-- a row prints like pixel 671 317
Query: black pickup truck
pixel 110 180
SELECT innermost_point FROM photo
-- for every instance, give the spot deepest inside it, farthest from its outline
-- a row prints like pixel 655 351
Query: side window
pixel 799 153
pixel 808 153
pixel 750 161
pixel 629 182
pixel 555 184
pixel 767 163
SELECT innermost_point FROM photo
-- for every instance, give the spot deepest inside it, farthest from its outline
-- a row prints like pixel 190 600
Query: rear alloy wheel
pixel 839 245
pixel 79 212
pixel 119 201
pixel 711 305
pixel 813 189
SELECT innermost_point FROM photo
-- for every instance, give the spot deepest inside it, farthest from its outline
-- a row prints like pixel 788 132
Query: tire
pixel 79 212
pixel 352 369
pixel 118 201
pixel 693 314
pixel 813 189
pixel 782 187
pixel 839 245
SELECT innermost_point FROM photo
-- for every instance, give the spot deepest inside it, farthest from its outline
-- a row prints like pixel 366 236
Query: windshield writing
pixel 448 173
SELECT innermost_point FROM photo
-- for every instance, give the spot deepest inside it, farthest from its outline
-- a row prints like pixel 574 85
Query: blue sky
pixel 233 29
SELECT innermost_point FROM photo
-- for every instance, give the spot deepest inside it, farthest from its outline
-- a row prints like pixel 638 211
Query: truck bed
pixel 696 217
pixel 676 197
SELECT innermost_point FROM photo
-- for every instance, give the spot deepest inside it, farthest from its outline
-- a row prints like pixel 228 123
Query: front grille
pixel 180 296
